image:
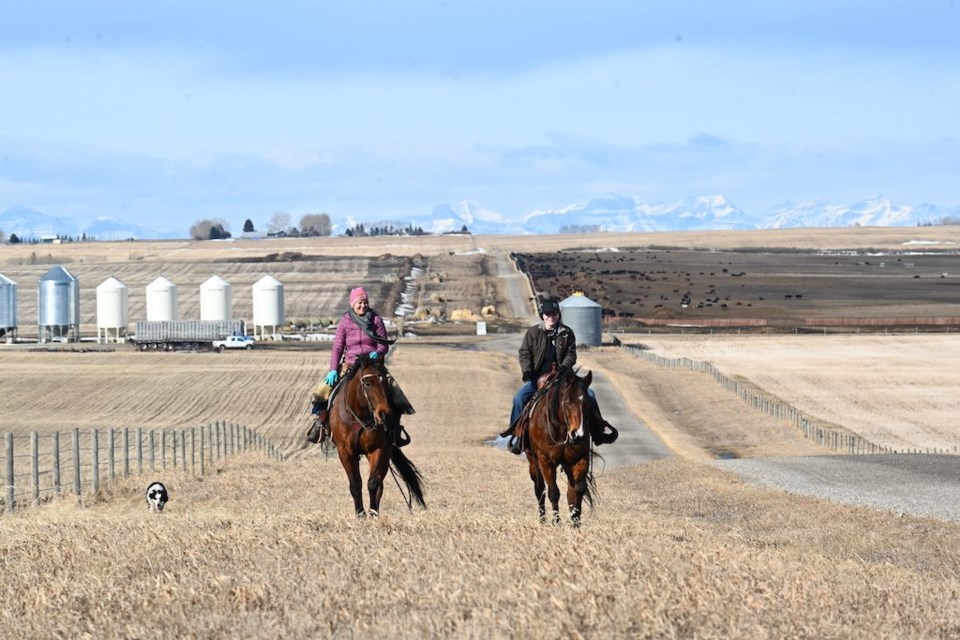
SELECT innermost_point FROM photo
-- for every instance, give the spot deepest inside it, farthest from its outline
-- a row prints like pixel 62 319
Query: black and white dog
pixel 157 497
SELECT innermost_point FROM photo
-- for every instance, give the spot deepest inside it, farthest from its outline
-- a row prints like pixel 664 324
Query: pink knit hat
pixel 357 294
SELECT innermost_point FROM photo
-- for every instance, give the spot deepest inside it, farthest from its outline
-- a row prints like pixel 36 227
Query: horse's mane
pixel 358 364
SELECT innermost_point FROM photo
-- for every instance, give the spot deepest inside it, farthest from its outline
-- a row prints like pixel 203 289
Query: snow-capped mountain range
pixel 609 213
pixel 619 213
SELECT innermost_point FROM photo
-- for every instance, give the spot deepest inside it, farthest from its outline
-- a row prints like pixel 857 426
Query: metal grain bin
pixel 161 301
pixel 268 305
pixel 8 307
pixel 58 306
pixel 112 310
pixel 216 299
pixel 585 317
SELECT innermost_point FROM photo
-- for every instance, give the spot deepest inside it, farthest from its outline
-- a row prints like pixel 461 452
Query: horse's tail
pixel 590 495
pixel 410 474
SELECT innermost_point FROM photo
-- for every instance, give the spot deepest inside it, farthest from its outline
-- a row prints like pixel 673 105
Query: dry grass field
pixel 259 548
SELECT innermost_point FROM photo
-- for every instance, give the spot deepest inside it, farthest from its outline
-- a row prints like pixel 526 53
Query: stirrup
pixel 515 445
pixel 606 438
pixel 400 437
pixel 315 431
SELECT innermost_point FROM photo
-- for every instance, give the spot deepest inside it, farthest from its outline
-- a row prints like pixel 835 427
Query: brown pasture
pixel 263 549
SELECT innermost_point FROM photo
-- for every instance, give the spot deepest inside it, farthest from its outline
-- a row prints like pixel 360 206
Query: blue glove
pixel 332 378
pixel 374 355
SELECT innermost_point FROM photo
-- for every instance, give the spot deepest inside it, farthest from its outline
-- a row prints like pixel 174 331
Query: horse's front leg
pixel 538 487
pixel 352 466
pixel 577 488
pixel 549 473
pixel 379 465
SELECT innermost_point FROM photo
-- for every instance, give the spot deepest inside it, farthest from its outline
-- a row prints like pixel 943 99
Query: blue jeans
pixel 523 394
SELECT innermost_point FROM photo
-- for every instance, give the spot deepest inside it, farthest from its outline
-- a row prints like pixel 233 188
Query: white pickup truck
pixel 233 342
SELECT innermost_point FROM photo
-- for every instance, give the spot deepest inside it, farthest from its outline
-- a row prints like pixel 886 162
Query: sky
pixel 166 113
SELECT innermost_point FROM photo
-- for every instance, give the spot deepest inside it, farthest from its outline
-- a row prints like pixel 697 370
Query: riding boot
pixel 399 436
pixel 515 445
pixel 601 431
pixel 318 428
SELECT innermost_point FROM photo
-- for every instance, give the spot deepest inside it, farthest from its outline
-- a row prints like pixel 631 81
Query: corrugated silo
pixel 268 306
pixel 584 316
pixel 216 299
pixel 8 308
pixel 58 306
pixel 112 311
pixel 162 301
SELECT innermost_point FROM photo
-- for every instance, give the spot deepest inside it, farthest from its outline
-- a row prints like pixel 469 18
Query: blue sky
pixel 167 113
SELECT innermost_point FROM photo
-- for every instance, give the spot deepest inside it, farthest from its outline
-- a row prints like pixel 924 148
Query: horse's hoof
pixel 361 514
pixel 374 513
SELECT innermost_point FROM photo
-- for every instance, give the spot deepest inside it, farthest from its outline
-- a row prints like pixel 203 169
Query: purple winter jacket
pixel 350 340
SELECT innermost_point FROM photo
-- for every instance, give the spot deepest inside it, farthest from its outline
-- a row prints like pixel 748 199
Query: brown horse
pixel 363 422
pixel 559 435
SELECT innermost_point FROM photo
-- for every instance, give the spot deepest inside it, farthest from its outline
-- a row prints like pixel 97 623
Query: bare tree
pixel 279 222
pixel 200 230
pixel 315 224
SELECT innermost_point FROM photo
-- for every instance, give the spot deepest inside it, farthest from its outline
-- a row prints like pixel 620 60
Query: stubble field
pixel 675 548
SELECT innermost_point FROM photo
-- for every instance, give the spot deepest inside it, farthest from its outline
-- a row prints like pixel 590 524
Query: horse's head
pixel 571 403
pixel 367 390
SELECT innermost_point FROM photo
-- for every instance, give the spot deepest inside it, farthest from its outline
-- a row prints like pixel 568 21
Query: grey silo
pixel 8 305
pixel 58 305
pixel 585 317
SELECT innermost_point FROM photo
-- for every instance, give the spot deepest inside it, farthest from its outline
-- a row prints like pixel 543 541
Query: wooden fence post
pixel 203 449
pixel 139 450
pixel 151 450
pixel 35 465
pixel 10 476
pixel 111 461
pixel 95 459
pixel 56 463
pixel 163 449
pixel 126 452
pixel 76 461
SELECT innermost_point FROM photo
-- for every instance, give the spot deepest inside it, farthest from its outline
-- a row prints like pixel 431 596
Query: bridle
pixel 557 408
pixel 365 385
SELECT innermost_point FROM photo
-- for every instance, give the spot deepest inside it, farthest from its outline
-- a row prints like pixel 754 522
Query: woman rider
pixel 359 331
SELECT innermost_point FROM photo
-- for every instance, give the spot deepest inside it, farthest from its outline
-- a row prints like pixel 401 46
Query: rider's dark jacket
pixel 535 347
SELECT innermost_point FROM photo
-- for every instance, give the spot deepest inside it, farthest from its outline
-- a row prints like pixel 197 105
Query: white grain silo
pixel 58 306
pixel 113 313
pixel 8 309
pixel 161 301
pixel 216 299
pixel 268 309
pixel 584 316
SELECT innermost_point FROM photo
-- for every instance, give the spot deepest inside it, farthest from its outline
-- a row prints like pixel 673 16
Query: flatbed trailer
pixel 184 335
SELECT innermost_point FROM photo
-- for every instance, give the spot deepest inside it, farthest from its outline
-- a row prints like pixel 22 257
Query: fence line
pixel 833 439
pixel 34 471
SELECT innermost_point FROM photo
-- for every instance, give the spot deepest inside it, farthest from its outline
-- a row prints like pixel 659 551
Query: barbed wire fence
pixel 39 467
pixel 827 436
